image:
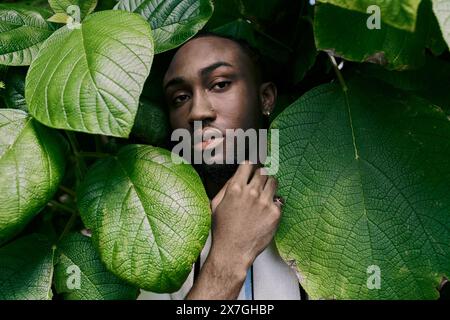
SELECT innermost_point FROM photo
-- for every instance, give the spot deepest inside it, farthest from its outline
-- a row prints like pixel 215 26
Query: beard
pixel 216 173
pixel 219 173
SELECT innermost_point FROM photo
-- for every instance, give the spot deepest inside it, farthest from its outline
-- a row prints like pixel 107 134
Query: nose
pixel 201 109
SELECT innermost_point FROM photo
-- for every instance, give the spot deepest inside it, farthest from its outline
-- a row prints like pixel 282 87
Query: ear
pixel 268 97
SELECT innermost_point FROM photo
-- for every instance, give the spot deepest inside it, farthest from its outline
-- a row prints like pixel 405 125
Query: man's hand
pixel 245 219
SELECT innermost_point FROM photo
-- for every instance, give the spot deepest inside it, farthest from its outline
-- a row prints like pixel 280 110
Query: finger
pixel 270 188
pixel 244 172
pixel 219 196
pixel 259 179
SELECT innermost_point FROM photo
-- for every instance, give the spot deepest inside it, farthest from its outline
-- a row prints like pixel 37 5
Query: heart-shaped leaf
pixel 32 164
pixel 418 81
pixel 80 275
pixel 337 30
pixel 84 7
pixel 173 21
pixel 398 14
pixel 149 216
pixel 90 78
pixel 26 269
pixel 365 176
pixel 22 33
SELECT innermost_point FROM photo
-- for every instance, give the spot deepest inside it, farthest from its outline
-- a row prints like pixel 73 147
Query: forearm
pixel 219 279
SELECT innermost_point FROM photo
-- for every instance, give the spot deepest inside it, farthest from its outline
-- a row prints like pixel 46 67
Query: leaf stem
pixel 68 191
pixel 61 206
pixel 338 72
pixel 69 225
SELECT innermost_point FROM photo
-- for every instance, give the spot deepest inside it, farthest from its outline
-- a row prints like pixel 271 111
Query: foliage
pixel 83 135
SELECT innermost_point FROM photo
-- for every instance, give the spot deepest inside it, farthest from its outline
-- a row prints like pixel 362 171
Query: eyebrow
pixel 203 72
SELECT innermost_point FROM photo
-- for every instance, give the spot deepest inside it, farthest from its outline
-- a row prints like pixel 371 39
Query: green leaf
pixel 418 81
pixel 32 164
pixel 149 216
pixel 90 79
pixel 62 6
pixel 441 9
pixel 76 256
pixel 22 32
pixel 388 46
pixel 173 21
pixel 365 182
pixel 59 18
pixel 245 30
pixel 14 94
pixel 32 3
pixel 305 50
pixel 105 5
pixel 399 14
pixel 225 11
pixel 26 269
pixel 152 123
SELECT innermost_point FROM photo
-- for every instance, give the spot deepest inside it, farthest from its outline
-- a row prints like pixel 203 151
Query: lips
pixel 208 138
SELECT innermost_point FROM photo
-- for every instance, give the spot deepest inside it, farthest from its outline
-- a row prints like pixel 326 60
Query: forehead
pixel 201 52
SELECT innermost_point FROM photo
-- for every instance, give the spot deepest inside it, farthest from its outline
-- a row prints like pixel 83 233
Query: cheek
pixel 178 119
pixel 238 108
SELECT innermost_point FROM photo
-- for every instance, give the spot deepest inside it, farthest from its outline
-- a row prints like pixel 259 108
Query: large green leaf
pixel 305 51
pixel 76 257
pixel 365 179
pixel 26 269
pixel 85 6
pixel 431 81
pixel 149 216
pixel 32 164
pixel 399 14
pixel 348 36
pixel 244 30
pixel 22 32
pixel 90 79
pixel 225 11
pixel 172 21
pixel 441 9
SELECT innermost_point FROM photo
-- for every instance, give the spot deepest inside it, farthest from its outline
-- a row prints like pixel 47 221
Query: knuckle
pixel 253 192
pixel 235 188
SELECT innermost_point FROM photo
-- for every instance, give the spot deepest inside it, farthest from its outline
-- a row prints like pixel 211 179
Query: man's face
pixel 212 80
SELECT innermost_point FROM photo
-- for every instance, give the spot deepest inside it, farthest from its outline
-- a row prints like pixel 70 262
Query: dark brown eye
pixel 181 98
pixel 221 85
